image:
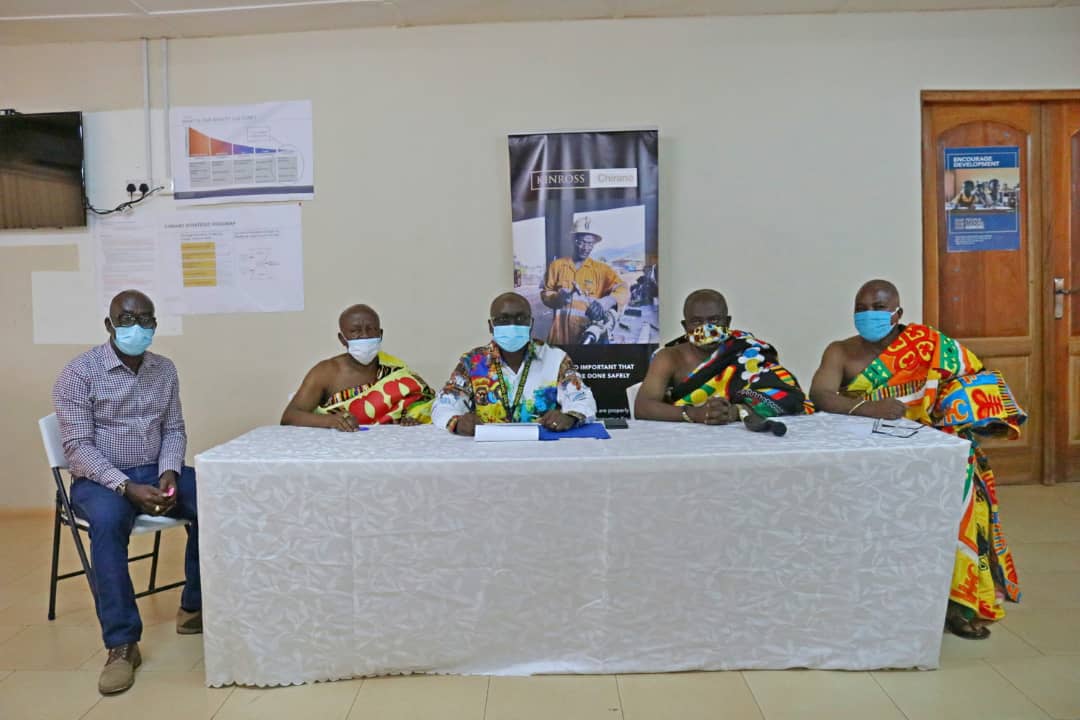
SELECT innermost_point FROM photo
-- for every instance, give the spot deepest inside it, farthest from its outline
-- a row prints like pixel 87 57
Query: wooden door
pixel 990 300
pixel 1061 209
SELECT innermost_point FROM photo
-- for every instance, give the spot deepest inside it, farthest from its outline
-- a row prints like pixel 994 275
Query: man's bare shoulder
pixel 669 354
pixel 846 348
pixel 328 367
pixel 666 359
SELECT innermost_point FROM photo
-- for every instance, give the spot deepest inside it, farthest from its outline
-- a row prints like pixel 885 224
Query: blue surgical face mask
pixel 511 338
pixel 364 350
pixel 874 324
pixel 134 340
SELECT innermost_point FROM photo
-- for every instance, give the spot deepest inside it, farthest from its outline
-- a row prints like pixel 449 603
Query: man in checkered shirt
pixel 118 407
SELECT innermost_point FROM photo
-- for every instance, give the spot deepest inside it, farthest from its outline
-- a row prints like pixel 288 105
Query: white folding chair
pixel 54 451
pixel 631 397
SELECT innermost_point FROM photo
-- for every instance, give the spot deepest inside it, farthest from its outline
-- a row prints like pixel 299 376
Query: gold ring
pixel 157 508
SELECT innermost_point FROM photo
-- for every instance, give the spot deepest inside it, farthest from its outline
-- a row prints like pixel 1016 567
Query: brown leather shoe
pixel 119 671
pixel 188 623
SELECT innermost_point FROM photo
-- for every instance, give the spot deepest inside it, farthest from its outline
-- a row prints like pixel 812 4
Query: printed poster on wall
pixel 208 260
pixel 982 198
pixel 585 235
pixel 242 153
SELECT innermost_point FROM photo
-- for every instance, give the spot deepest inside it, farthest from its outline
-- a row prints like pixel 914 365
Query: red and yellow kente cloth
pixel 944 385
pixel 396 393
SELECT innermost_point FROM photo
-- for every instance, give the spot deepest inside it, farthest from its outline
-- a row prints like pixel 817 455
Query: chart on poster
pixel 242 153
pixel 197 261
pixel 243 259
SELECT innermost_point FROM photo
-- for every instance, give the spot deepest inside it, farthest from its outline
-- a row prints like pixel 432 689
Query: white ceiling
pixel 38 21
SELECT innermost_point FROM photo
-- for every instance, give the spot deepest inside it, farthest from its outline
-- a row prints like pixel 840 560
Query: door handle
pixel 1059 297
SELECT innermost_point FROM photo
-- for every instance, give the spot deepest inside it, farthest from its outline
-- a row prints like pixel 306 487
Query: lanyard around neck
pixel 510 408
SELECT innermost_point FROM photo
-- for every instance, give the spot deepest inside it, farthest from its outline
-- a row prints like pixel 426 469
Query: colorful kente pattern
pixel 746 370
pixel 944 384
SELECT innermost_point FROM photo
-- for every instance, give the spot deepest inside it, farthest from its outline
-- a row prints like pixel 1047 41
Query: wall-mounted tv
pixel 41 170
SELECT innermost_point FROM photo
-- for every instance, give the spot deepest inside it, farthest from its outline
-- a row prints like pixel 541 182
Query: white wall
pixel 790 173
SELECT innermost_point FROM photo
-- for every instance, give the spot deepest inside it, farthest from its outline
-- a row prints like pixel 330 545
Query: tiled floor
pixel 1029 668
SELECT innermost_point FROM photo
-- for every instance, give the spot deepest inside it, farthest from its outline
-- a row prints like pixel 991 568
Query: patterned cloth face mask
pixel 708 334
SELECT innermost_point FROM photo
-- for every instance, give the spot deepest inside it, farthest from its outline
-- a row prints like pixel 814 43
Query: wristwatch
pixel 578 417
pixel 121 489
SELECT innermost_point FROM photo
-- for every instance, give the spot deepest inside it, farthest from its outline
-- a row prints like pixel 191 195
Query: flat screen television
pixel 41 170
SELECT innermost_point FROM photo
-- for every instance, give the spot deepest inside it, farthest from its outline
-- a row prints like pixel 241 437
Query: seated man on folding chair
pixel 118 408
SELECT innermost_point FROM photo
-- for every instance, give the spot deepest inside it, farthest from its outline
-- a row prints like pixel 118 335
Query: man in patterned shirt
pixel 118 407
pixel 513 379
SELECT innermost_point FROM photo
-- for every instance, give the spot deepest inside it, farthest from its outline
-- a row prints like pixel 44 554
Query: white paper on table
pixel 507 432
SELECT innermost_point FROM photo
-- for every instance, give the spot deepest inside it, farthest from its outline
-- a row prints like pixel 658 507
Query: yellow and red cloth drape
pixel 944 384
pixel 396 393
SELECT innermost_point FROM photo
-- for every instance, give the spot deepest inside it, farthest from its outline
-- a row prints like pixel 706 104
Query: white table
pixel 328 555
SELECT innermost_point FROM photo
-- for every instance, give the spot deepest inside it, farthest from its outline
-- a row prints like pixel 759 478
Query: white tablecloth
pixel 670 547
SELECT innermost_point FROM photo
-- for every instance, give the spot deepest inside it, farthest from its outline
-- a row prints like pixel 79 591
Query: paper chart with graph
pixel 194 261
pixel 231 260
pixel 242 153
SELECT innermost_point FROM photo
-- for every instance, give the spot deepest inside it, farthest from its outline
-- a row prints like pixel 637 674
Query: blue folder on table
pixel 594 430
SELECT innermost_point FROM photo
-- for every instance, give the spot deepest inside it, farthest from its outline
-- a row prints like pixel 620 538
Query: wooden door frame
pixel 930 97
pixel 1037 222
pixel 1058 261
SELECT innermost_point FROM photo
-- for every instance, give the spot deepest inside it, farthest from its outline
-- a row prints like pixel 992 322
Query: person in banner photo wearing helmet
pixel 587 295
pixel 891 370
pixel 513 378
pixel 361 386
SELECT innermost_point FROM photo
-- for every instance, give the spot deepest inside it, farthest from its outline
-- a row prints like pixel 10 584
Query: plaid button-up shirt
pixel 112 419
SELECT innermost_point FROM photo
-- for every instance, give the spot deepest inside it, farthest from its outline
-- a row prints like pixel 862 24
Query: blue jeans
pixel 111 518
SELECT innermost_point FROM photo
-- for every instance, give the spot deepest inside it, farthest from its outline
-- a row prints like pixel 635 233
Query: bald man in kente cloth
pixel 362 386
pixel 891 370
pixel 705 375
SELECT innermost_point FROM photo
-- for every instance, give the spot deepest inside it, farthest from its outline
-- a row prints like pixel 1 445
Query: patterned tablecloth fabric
pixel 329 555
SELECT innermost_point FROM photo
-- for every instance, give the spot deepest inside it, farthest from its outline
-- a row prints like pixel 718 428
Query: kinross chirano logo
pixel 573 179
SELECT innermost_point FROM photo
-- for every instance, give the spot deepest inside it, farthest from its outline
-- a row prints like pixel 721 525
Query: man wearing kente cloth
pixel 513 379
pixel 363 386
pixel 890 370
pixel 708 374
pixel 582 291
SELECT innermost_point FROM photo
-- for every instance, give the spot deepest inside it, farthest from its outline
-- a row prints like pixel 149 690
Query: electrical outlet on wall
pixel 140 186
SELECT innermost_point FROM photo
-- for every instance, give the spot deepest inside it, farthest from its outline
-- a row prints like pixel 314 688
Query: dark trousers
pixel 111 518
